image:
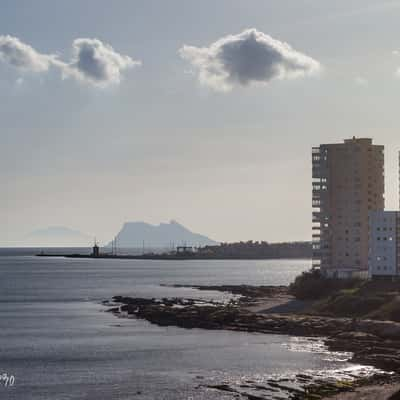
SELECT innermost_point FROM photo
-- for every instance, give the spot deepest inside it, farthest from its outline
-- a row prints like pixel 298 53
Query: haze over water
pixel 59 343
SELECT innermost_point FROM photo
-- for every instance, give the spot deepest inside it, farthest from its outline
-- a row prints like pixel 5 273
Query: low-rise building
pixel 384 242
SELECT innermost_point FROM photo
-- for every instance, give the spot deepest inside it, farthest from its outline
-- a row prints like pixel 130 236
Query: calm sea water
pixel 59 343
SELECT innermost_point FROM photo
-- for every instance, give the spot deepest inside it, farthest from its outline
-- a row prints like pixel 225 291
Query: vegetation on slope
pixel 310 285
pixel 374 299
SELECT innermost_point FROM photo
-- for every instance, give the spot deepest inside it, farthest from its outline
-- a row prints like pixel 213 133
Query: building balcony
pixel 321 255
pixel 315 264
pixel 317 169
pixel 316 217
pixel 326 253
pixel 318 173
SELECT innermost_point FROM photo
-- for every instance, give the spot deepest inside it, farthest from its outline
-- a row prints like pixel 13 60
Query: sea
pixel 57 341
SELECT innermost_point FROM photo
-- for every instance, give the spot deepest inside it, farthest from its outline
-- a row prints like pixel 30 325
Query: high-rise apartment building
pixel 348 183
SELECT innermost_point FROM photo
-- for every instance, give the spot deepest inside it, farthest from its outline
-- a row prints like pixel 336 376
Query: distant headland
pixel 173 241
pixel 137 234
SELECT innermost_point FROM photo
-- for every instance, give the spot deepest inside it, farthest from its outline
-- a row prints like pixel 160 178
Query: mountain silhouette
pixel 59 236
pixel 133 234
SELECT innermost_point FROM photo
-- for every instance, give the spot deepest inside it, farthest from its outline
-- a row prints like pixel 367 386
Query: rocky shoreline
pixel 372 342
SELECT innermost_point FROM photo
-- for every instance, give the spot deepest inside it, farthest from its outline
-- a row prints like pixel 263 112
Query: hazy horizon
pixel 63 237
pixel 151 111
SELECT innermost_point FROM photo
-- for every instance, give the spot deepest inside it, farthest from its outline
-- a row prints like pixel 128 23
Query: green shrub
pixel 311 285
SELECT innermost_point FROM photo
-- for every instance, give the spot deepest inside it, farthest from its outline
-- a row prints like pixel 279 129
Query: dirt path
pixel 378 392
pixel 282 304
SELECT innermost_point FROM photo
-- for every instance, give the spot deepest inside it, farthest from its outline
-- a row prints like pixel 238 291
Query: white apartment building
pixel 384 255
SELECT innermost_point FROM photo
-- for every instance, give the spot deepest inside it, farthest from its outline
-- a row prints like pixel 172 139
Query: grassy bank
pixel 377 299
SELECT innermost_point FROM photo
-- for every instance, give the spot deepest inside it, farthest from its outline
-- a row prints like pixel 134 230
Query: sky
pixel 202 112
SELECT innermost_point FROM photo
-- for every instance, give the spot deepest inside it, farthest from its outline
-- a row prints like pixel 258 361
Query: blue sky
pixel 158 144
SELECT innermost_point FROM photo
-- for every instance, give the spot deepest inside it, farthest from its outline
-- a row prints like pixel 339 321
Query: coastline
pixel 167 257
pixel 272 310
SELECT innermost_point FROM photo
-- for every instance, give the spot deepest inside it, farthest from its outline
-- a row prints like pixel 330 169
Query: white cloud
pixel 396 53
pixel 361 81
pixel 97 63
pixel 251 57
pixel 93 61
pixel 22 56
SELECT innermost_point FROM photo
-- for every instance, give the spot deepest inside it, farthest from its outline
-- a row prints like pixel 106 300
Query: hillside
pixel 372 299
pixel 58 236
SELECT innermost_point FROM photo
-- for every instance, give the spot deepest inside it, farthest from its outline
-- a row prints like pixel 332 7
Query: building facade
pixel 348 183
pixel 384 230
